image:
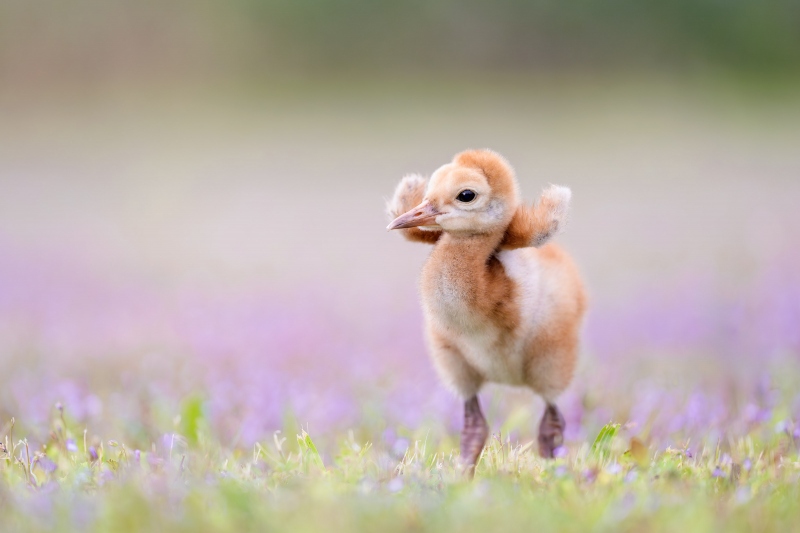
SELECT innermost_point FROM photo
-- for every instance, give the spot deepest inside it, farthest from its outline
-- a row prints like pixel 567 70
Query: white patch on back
pixel 523 267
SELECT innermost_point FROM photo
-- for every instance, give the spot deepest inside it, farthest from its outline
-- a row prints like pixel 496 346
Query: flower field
pixel 126 408
pixel 204 325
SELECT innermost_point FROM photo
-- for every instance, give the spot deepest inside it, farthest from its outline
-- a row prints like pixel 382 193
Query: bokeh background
pixel 192 195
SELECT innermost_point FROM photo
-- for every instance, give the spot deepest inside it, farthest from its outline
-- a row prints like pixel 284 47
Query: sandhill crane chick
pixel 501 303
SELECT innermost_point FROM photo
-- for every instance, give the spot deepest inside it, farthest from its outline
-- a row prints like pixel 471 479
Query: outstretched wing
pixel 536 225
pixel 409 194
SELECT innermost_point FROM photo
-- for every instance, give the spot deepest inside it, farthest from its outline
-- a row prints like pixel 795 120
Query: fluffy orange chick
pixel 501 303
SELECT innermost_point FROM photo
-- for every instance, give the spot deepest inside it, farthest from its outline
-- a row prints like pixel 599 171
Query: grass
pixel 125 407
pixel 191 482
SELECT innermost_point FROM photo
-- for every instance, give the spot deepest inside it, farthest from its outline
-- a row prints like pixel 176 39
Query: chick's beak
pixel 423 215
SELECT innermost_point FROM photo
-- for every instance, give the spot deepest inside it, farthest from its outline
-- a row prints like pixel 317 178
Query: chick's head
pixel 475 193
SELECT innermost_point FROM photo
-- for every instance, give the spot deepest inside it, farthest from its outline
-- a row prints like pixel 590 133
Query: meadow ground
pixel 205 327
pixel 614 484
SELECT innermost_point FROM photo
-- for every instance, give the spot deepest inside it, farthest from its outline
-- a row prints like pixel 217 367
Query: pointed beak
pixel 423 215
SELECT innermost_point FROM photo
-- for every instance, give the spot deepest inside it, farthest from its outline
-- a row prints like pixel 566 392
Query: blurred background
pixel 192 195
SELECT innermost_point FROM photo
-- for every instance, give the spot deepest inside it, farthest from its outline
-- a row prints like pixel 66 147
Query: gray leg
pixel 474 434
pixel 551 431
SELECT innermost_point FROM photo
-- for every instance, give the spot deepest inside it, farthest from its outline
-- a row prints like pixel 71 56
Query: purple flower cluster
pixel 681 361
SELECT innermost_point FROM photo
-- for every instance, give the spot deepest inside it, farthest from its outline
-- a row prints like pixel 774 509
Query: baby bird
pixel 501 304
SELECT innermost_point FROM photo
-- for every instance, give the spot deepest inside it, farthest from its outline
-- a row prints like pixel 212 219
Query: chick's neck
pixel 464 260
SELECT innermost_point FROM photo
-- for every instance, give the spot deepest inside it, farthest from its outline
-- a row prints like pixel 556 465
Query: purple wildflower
pixel 46 464
pixel 717 472
pixel 399 448
pixel 105 476
pixel 93 453
pixel 71 446
pixel 395 485
pixel 389 435
pixel 743 495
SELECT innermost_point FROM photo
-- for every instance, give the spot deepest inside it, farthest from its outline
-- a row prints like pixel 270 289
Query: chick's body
pixel 501 304
pixel 512 319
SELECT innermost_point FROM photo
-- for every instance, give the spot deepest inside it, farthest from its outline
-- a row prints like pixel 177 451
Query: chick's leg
pixel 551 431
pixel 474 434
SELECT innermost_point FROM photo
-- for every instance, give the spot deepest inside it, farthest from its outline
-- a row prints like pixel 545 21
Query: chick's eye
pixel 466 196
